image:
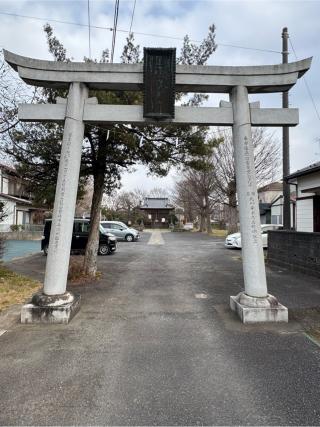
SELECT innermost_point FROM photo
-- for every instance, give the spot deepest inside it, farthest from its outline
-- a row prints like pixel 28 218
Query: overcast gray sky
pixel 255 24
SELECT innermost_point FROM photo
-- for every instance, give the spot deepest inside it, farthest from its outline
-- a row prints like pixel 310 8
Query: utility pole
pixel 285 141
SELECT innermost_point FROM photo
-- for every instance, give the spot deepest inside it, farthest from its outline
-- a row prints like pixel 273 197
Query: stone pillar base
pixel 255 310
pixel 51 308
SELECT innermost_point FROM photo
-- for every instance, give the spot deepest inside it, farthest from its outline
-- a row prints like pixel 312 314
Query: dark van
pixel 107 241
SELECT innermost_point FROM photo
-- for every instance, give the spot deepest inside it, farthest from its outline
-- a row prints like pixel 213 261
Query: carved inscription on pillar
pixel 159 71
pixel 251 194
pixel 66 154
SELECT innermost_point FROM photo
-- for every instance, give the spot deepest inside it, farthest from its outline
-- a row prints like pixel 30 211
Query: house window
pixel 5 185
pixel 274 219
pixel 11 189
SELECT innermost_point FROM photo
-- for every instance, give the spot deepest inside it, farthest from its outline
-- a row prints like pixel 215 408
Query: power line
pixel 115 24
pixel 89 29
pixel 134 7
pixel 306 83
pixel 16 15
pixel 248 48
pixel 136 32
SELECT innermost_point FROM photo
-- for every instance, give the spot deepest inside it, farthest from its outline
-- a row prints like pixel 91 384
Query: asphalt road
pixel 155 344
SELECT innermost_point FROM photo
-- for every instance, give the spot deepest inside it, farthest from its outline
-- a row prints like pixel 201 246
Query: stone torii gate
pixel 54 304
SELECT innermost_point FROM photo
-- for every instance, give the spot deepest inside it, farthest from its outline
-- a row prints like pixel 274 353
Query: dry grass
pixel 315 334
pixel 76 274
pixel 219 233
pixel 14 288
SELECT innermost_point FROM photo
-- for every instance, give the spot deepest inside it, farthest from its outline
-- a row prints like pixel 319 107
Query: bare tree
pixel 266 159
pixel 123 205
pixel 12 92
pixel 199 192
pixel 159 192
pixel 127 202
pixel 140 195
pixel 195 192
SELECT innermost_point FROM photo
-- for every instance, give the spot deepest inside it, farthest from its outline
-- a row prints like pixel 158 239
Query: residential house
pixel 267 195
pixel 17 201
pixel 277 210
pixel 271 204
pixel 158 211
pixel 307 182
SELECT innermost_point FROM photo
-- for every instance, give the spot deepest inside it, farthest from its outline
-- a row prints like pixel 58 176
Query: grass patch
pixel 14 288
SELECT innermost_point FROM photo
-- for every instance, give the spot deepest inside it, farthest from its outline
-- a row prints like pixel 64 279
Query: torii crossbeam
pixel 252 305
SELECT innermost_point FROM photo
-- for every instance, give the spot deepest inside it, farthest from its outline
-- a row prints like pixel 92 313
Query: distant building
pixel 17 201
pixel 157 212
pixel 277 210
pixel 271 204
pixel 267 195
pixel 307 182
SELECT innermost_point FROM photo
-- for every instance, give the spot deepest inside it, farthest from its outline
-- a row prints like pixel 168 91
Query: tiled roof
pixel 273 186
pixel 16 199
pixel 315 167
pixel 8 168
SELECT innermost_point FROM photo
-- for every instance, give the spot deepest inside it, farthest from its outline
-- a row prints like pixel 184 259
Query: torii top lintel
pixel 189 78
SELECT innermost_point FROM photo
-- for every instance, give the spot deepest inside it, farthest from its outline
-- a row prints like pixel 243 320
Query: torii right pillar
pixel 254 304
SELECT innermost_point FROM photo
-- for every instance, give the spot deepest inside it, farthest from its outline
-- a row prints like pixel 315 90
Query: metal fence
pixel 30 228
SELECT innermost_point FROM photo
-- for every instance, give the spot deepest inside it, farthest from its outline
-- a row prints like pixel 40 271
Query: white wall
pixel 276 209
pixel 19 217
pixel 305 215
pixel 305 206
pixel 9 209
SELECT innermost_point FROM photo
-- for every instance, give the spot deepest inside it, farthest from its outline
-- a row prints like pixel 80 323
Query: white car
pixel 188 226
pixel 234 240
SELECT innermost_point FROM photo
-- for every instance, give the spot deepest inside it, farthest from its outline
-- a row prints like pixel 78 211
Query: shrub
pixel 14 227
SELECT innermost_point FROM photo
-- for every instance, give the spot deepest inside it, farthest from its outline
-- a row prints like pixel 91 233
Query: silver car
pixel 121 230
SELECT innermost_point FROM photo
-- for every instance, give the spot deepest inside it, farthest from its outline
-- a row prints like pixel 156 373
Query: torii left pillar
pixel 54 304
